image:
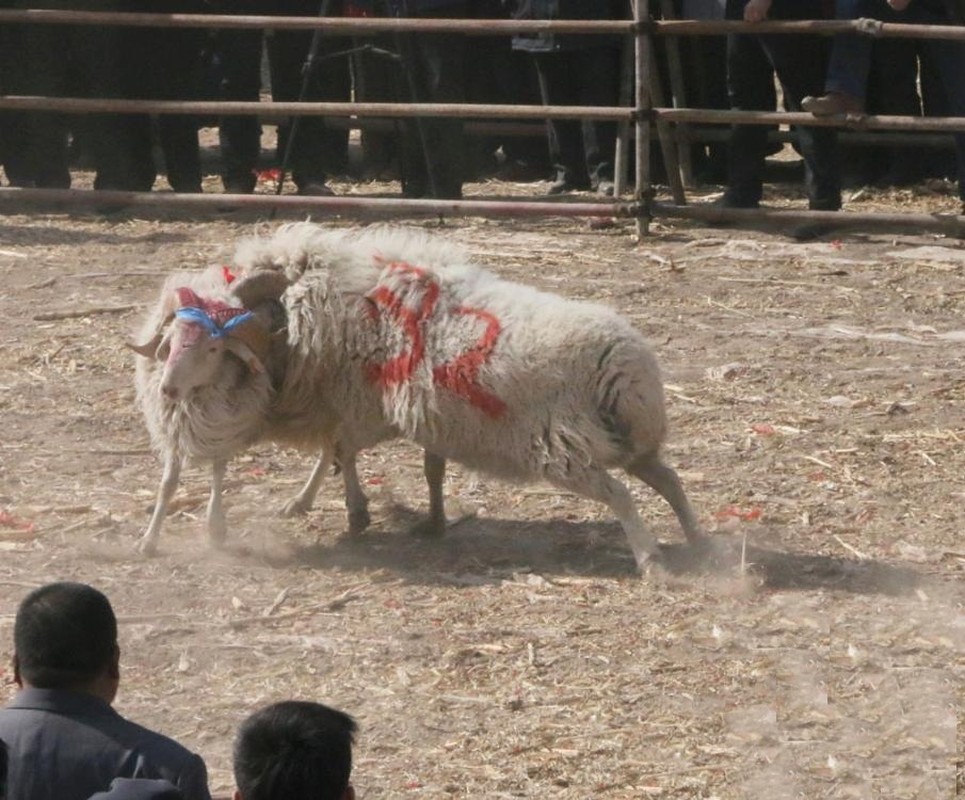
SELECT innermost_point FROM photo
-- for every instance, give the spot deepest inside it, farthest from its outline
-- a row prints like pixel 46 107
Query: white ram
pixel 214 355
pixel 394 331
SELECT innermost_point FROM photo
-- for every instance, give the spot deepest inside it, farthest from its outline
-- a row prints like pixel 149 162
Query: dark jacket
pixel 139 789
pixel 955 9
pixel 786 9
pixel 399 8
pixel 67 746
pixel 566 9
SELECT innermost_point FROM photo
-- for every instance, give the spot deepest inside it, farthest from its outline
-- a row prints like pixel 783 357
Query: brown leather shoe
pixel 833 104
pixel 315 189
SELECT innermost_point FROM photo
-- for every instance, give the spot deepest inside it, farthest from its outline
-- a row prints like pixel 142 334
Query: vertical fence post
pixel 668 146
pixel 679 95
pixel 620 159
pixel 643 46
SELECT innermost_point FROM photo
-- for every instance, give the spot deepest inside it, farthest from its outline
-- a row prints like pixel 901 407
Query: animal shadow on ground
pixel 484 550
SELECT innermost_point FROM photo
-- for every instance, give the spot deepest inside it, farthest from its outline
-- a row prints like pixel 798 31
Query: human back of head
pixel 3 769
pixel 65 637
pixel 295 750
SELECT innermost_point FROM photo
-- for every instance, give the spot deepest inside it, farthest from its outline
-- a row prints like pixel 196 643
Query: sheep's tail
pixel 630 399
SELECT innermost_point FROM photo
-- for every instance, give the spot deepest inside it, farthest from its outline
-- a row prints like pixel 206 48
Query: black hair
pixel 3 769
pixel 65 634
pixel 294 750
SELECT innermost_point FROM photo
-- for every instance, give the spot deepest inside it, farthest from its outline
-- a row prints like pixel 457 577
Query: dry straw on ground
pixel 816 393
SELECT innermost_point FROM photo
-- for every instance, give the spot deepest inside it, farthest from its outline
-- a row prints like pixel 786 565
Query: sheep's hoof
pixel 217 534
pixel 216 541
pixel 429 528
pixel 296 507
pixel 648 563
pixel 716 555
pixel 145 547
pixel 358 521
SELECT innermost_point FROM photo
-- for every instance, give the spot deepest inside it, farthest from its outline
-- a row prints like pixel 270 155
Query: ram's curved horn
pixel 149 348
pixel 260 286
pixel 246 354
pixel 251 341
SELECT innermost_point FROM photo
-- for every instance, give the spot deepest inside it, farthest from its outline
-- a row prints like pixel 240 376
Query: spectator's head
pixel 3 769
pixel 65 637
pixel 295 750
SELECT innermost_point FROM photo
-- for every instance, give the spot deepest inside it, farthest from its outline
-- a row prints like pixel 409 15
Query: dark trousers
pixel 433 149
pixel 851 61
pixel 317 149
pixel 800 63
pixel 74 61
pixel 165 64
pixel 581 151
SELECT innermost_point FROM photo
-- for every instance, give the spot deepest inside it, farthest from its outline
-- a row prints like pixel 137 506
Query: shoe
pixel 824 206
pixel 447 192
pixel 416 190
pixel 729 201
pixel 565 182
pixel 605 189
pixel 238 185
pixel 413 190
pixel 899 176
pixel 561 187
pixel 833 104
pixel 810 231
pixel 316 189
pixel 725 202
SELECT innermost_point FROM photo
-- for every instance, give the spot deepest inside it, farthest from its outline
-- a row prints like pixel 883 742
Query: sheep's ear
pixel 246 354
pixel 148 349
pixel 259 286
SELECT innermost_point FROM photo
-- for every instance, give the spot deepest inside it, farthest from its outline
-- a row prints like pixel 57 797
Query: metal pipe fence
pixel 642 116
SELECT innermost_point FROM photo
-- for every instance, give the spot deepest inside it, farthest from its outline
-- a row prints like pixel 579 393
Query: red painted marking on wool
pixel 401 368
pixel 459 376
pixel 227 274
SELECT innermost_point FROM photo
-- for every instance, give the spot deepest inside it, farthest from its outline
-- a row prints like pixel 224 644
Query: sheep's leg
pixel 355 500
pixel 597 484
pixel 434 525
pixel 217 526
pixel 302 502
pixel 147 544
pixel 665 482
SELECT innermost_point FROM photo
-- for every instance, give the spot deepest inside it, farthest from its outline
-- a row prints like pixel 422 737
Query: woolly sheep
pixel 206 384
pixel 393 330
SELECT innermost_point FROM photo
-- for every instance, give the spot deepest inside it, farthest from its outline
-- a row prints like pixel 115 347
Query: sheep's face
pixel 199 338
pixel 192 358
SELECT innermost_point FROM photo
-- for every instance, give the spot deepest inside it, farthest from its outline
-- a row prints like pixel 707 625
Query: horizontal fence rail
pixel 366 205
pixel 868 27
pixel 335 26
pixel 305 109
pixel 785 219
pixel 349 26
pixel 870 121
pixel 645 115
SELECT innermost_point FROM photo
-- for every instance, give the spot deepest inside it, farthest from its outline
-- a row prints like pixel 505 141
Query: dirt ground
pixel 817 398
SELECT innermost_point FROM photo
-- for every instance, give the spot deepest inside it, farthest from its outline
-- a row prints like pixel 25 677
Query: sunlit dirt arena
pixel 816 398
